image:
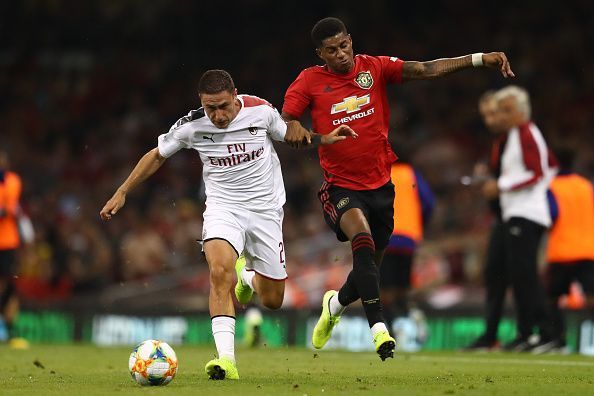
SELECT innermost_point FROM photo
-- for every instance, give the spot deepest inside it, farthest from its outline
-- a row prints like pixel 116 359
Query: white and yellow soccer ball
pixel 153 362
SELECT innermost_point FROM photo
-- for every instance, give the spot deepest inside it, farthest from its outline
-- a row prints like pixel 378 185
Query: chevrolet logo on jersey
pixel 350 104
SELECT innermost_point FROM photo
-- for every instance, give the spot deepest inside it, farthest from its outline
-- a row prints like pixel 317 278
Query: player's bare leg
pixel 221 259
pixel 270 291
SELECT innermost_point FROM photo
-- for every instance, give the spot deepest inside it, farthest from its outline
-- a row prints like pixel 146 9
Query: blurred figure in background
pixel 413 205
pixel 495 272
pixel 253 320
pixel 144 252
pixel 570 249
pixel 526 169
pixel 10 193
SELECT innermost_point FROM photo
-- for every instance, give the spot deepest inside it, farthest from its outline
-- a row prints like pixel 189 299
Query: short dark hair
pixel 325 28
pixel 215 81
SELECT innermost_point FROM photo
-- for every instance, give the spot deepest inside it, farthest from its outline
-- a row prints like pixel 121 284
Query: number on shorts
pixel 282 252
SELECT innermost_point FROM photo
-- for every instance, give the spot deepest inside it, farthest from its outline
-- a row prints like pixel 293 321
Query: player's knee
pixel 221 276
pixel 273 302
pixel 272 299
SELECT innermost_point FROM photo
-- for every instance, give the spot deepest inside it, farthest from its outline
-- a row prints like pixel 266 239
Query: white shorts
pixel 258 235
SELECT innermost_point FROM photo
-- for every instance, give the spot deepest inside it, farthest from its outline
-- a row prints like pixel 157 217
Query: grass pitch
pixel 90 370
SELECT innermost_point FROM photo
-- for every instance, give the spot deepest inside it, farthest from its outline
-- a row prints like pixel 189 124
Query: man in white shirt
pixel 245 193
pixel 526 169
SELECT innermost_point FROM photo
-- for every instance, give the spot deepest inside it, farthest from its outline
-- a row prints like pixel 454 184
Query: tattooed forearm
pixel 435 68
pixel 441 67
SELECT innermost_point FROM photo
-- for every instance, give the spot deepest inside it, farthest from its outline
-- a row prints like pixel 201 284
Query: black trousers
pixel 512 261
pixel 521 240
pixel 496 279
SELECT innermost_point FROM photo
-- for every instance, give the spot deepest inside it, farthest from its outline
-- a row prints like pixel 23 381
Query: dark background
pixel 87 86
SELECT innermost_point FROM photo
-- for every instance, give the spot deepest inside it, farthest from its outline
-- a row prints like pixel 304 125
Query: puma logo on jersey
pixel 209 137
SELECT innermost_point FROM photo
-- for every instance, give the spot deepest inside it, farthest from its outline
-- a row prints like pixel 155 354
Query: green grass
pixel 89 370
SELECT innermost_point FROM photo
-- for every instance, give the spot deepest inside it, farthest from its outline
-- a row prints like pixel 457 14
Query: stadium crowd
pixel 90 87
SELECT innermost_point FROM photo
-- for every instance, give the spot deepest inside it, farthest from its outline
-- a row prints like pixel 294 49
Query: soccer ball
pixel 153 362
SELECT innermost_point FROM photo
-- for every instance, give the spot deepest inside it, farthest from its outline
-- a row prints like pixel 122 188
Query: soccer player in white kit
pixel 244 198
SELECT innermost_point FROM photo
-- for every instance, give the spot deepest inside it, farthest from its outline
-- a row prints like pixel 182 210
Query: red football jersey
pixel 359 100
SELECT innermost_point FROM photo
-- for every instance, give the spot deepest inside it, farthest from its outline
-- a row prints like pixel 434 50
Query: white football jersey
pixel 240 166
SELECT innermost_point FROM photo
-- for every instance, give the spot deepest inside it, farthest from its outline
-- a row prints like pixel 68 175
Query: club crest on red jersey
pixel 364 79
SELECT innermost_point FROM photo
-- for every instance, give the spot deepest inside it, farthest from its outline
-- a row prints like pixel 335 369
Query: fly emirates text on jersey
pixel 238 155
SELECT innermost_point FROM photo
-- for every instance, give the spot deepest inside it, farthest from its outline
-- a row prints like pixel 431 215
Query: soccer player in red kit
pixel 357 194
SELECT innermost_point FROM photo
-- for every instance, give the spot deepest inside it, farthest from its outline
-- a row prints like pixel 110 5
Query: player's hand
pixel 490 189
pixel 498 60
pixel 340 133
pixel 113 205
pixel 296 135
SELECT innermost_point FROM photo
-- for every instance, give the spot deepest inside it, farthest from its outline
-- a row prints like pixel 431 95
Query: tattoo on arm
pixel 435 68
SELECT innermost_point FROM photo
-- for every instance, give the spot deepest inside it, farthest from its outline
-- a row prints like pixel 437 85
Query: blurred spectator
pixel 526 169
pixel 496 275
pixel 413 204
pixel 10 240
pixel 570 249
pixel 144 252
pixel 88 262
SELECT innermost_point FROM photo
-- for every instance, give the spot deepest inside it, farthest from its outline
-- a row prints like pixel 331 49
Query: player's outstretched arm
pixel 303 137
pixel 147 165
pixel 413 70
pixel 338 134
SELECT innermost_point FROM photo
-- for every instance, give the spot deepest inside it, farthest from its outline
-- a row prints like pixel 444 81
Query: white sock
pixel 247 277
pixel 223 331
pixel 336 308
pixel 377 328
